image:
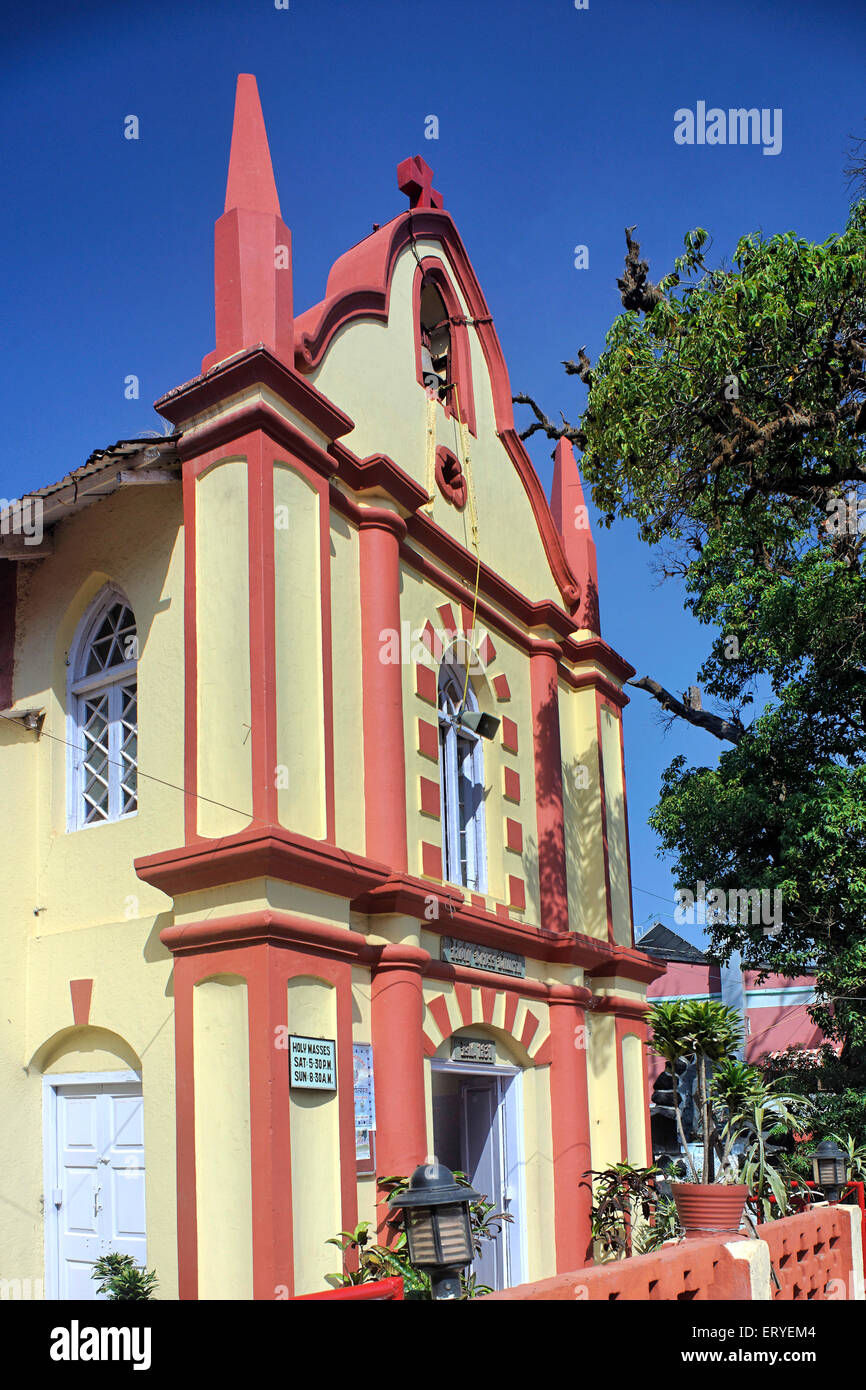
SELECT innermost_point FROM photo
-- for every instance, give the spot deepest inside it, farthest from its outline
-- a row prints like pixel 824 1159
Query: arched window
pixel 103 714
pixel 435 328
pixel 461 782
pixel 443 359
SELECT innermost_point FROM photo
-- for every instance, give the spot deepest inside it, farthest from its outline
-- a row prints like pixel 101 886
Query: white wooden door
pixel 482 1162
pixel 98 1194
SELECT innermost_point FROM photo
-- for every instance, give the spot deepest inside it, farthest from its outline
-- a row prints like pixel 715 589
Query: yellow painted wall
pixel 633 1074
pixel 315 1140
pixel 96 919
pixel 419 601
pixel 300 768
pixel 603 1093
pixel 370 361
pixel 617 841
pixel 222 1138
pixel 223 638
pixel 584 845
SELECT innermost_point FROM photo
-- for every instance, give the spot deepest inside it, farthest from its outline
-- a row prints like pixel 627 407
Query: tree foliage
pixel 727 417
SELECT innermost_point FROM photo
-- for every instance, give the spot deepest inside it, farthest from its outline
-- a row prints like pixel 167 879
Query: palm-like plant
pixel 669 1041
pixel 764 1115
pixel 709 1032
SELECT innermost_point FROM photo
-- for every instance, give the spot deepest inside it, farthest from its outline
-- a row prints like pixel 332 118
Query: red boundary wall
pixel 815 1255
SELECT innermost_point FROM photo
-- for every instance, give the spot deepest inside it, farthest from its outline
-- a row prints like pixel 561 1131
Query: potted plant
pixel 710 1201
pixel 740 1115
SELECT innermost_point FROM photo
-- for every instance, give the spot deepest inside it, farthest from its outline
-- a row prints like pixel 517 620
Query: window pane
pixel 95 764
pixel 107 772
pixel 129 749
pixel 116 641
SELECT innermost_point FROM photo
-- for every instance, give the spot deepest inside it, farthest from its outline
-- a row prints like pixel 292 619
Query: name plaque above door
pixel 488 958
pixel 473 1050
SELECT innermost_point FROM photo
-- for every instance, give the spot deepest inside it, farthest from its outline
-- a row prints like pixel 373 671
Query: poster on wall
pixel 365 1108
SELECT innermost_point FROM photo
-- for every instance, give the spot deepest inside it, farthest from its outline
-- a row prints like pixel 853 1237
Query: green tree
pixel 726 417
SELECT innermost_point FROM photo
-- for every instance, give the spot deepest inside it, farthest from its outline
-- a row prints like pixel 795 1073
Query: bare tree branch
pixel 728 730
pixel 567 431
pixel 581 367
pixel 636 291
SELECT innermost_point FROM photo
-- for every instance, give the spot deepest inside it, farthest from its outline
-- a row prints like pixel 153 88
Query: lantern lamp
pixel 438 1232
pixel 829 1169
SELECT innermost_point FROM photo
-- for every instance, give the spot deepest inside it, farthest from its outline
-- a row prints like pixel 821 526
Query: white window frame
pixel 452 680
pixel 79 688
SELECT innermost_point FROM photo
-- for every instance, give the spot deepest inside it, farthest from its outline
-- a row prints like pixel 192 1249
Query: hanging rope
pixel 466 467
pixel 432 403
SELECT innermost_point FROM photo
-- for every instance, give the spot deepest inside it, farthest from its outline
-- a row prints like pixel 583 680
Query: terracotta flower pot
pixel 710 1209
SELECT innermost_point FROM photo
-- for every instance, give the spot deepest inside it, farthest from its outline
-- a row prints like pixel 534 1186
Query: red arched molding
pixel 359 285
pixel 450 479
pixel 432 271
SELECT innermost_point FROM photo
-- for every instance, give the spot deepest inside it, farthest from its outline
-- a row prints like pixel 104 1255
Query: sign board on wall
pixel 473 1050
pixel 312 1063
pixel 483 957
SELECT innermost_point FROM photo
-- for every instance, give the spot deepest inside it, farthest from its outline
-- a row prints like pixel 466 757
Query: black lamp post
pixel 438 1232
pixel 829 1169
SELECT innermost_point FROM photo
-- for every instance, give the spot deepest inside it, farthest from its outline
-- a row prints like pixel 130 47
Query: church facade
pixel 316 845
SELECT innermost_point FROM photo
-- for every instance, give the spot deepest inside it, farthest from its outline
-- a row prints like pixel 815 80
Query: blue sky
pixel 555 129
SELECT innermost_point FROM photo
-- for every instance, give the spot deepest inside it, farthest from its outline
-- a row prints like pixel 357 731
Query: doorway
pixel 477 1129
pixel 94 1177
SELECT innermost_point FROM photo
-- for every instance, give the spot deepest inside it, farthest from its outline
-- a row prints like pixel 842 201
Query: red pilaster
pixel 571 517
pixel 398 1060
pixel 384 760
pixel 569 1104
pixel 548 786
pixel 184 974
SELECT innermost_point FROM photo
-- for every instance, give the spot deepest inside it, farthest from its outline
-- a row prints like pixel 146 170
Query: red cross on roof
pixel 415 179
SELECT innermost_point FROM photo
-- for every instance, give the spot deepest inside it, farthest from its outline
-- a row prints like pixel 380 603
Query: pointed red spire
pixel 571 515
pixel 250 182
pixel 252 244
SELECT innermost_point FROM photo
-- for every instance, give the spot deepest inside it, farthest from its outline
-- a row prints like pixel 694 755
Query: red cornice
pixel 582 680
pixel 623 1008
pixel 267 928
pixel 252 367
pixel 256 415
pixel 596 649
pixel 271 852
pixel 627 963
pixel 378 471
pixel 277 853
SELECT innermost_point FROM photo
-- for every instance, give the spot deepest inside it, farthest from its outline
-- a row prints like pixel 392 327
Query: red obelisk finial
pixel 250 182
pixel 571 516
pixel 252 244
